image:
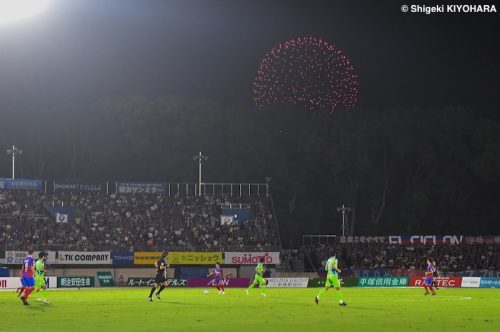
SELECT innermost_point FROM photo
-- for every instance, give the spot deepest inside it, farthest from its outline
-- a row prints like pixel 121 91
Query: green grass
pixel 282 310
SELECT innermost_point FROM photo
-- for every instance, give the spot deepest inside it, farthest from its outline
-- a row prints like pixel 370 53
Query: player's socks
pixel 316 299
pixel 27 293
pixel 161 288
pixel 152 291
pixel 222 289
pixel 339 296
pixel 320 293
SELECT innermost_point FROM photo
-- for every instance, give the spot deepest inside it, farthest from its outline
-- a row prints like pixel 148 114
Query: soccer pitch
pixel 124 309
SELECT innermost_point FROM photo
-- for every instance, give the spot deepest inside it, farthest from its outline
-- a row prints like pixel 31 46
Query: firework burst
pixel 306 71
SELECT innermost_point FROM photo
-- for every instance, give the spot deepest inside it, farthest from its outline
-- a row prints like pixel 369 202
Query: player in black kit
pixel 161 276
pixel 435 274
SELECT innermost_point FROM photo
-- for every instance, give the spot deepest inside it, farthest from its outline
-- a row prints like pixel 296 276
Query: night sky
pixel 82 50
pixel 424 136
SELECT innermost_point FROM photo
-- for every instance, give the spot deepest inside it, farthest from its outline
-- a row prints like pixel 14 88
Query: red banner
pixel 440 282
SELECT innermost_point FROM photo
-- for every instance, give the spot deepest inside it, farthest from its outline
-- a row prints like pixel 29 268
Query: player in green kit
pixel 40 284
pixel 259 278
pixel 332 280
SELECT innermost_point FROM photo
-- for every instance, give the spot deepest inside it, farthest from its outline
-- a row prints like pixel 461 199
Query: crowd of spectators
pixel 137 222
pixel 407 256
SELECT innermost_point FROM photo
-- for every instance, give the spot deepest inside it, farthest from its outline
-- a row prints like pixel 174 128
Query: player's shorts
pixel 428 281
pixel 28 281
pixel 435 274
pixel 258 279
pixel 332 280
pixel 39 282
pixel 160 278
pixel 217 281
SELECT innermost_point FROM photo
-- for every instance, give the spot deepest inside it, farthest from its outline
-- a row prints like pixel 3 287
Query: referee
pixel 161 276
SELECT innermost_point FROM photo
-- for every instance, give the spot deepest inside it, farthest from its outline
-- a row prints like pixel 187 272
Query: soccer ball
pixel 205 292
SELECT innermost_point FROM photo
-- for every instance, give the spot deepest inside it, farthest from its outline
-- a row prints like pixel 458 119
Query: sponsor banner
pixel 146 257
pixel 149 282
pixel 15 282
pixel 78 186
pixel 140 188
pixel 196 258
pixel 404 239
pixel 122 257
pixel 74 282
pixel 17 257
pixel 288 282
pixel 84 257
pixel 208 282
pixel 251 258
pixel 105 279
pixel 489 283
pixel 344 282
pixel 426 239
pixel 383 282
pixel 363 239
pixel 482 239
pixel 440 281
pixel 470 282
pixel 21 184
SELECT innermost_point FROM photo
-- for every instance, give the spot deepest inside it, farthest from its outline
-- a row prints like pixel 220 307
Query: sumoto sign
pixel 251 258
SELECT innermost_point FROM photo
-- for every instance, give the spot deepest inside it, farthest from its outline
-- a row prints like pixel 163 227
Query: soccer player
pixel 259 278
pixel 332 280
pixel 428 279
pixel 435 274
pixel 161 276
pixel 218 278
pixel 27 277
pixel 40 284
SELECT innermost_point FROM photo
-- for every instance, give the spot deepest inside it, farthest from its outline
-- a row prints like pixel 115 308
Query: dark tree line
pixel 406 170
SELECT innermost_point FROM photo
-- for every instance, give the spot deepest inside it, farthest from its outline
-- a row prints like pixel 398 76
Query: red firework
pixel 306 71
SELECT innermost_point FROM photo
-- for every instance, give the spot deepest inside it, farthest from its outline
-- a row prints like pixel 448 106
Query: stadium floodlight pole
pixel 201 158
pixel 13 152
pixel 344 210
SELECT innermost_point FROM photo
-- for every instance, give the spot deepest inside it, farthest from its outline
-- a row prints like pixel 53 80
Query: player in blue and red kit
pixel 27 277
pixel 429 278
pixel 218 278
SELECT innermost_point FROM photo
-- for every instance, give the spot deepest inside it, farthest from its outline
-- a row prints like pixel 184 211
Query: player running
pixel 429 278
pixel 40 284
pixel 259 278
pixel 332 280
pixel 435 274
pixel 27 280
pixel 218 278
pixel 161 276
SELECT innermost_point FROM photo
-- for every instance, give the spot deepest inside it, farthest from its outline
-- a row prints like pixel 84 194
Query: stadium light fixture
pixel 200 158
pixel 18 10
pixel 344 210
pixel 13 152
